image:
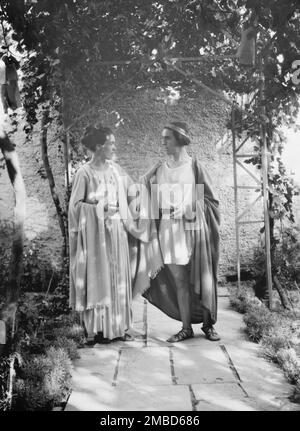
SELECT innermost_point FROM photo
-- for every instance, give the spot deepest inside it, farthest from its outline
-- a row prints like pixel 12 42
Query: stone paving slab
pixel 138 343
pixel 262 380
pixel 230 325
pixel 149 366
pixel 147 398
pixel 95 367
pixel 253 368
pixel 223 291
pixel 160 327
pixel 143 398
pixel 201 364
pixel 221 397
pixel 100 398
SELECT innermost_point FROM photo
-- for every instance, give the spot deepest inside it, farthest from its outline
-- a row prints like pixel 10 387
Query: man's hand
pixel 110 209
pixel 152 171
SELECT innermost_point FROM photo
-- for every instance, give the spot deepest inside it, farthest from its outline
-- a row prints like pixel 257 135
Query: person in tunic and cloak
pixel 183 252
pixel 103 236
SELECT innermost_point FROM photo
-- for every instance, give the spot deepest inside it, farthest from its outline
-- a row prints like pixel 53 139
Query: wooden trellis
pixel 261 188
pixel 262 182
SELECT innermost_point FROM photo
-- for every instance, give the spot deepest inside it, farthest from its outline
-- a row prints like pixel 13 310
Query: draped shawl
pixel 87 238
pixel 154 281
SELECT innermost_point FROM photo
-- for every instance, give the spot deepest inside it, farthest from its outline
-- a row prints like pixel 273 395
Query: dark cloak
pixel 203 265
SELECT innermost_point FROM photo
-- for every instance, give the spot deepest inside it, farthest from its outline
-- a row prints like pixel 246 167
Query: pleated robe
pixel 101 254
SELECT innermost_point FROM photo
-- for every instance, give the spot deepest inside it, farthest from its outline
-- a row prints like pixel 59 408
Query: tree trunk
pixel 12 289
pixel 272 225
pixel 281 293
pixel 44 148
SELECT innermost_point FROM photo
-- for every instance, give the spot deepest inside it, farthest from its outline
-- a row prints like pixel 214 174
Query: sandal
pixel 182 335
pixel 210 333
pixel 127 337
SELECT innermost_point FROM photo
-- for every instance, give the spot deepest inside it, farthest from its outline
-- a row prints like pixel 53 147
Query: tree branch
pixel 45 158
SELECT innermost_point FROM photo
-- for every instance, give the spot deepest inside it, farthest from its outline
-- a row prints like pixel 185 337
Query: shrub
pixel 237 302
pixel 4 398
pixel 45 380
pixel 31 396
pixel 296 395
pixel 47 338
pixel 285 258
pixel 74 332
pixel 57 381
pixel 276 332
pixel 243 300
pixel 68 345
pixel 257 317
pixel 31 393
pixel 259 321
pixel 6 235
pixel 287 359
pixel 39 271
pixel 273 342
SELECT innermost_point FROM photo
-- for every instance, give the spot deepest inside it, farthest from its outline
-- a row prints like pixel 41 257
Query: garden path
pixel 195 375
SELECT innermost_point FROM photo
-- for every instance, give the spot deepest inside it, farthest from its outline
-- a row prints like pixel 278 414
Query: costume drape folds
pixel 103 251
pixel 130 243
pixel 155 282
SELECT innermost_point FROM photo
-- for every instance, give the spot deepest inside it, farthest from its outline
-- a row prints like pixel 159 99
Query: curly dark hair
pixel 94 136
pixel 181 140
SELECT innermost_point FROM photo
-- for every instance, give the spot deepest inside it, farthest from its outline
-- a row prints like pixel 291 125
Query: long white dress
pixel 99 254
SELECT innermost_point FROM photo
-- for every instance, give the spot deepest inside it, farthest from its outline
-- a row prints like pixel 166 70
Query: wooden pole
pixel 237 226
pixel 67 158
pixel 264 167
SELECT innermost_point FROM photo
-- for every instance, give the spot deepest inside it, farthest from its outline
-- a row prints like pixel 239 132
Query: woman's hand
pixel 91 201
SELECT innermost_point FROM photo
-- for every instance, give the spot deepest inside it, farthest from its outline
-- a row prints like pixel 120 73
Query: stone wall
pixel 138 146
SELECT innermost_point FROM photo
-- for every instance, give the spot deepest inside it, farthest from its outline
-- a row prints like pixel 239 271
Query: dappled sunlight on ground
pixel 200 375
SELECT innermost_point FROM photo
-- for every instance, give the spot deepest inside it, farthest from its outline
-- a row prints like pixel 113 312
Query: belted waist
pixel 168 213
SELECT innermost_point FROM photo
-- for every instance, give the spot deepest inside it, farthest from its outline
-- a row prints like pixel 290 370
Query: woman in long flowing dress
pixel 186 236
pixel 100 252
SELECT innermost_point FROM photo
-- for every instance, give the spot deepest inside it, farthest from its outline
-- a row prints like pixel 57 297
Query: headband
pixel 177 129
